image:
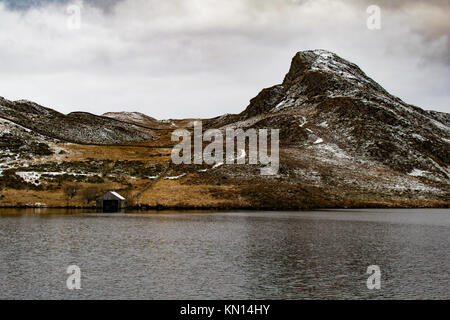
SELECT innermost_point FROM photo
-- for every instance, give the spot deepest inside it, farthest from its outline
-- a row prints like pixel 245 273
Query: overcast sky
pixel 203 58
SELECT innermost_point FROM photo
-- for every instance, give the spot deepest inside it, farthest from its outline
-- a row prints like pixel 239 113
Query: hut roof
pixel 118 195
pixel 111 195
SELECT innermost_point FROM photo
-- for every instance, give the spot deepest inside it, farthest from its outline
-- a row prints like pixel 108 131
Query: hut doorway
pixel 110 205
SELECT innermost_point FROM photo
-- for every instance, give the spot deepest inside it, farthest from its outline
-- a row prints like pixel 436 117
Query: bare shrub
pixel 70 191
pixel 91 193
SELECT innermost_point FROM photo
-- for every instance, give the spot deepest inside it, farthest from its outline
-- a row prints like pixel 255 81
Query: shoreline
pixel 430 205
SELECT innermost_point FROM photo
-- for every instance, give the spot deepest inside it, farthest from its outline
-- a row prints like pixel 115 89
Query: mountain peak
pixel 323 61
pixel 327 100
pixel 316 74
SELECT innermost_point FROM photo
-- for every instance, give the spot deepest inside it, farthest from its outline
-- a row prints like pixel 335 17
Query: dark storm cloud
pixel 27 4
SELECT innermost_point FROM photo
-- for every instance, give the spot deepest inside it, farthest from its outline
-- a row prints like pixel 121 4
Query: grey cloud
pixel 183 58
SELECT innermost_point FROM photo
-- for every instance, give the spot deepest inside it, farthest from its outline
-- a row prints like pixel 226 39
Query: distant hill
pixel 77 127
pixel 132 117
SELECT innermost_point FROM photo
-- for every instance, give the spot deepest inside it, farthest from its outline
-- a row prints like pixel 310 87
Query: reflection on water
pixel 235 255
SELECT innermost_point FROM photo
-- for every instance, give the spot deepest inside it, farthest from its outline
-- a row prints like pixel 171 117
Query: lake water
pixel 234 255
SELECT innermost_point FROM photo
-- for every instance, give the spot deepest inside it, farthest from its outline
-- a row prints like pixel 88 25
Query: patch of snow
pixel 414 186
pixel 68 173
pixel 324 124
pixel 335 150
pixel 30 177
pixel 319 140
pixel 326 61
pixel 125 115
pixel 418 173
pixel 278 106
pixel 418 136
pixel 284 104
pixel 303 123
pixel 175 177
pixel 6 125
pixel 440 125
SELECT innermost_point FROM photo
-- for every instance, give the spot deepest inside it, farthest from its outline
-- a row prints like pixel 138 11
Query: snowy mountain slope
pixel 17 142
pixel 328 99
pixel 141 119
pixel 77 127
pixel 132 117
pixel 343 133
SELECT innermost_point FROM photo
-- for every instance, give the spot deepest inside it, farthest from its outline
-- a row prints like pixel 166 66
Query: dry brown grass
pixel 51 198
pixel 220 188
pixel 172 193
pixel 78 152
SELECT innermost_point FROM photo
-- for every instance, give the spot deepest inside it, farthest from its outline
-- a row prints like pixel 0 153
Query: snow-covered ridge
pixel 77 127
pixel 328 62
pixel 126 116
